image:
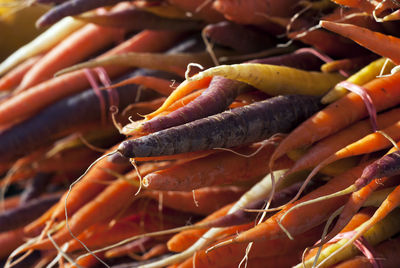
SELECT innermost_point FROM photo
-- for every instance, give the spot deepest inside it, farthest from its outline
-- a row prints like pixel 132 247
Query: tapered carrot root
pixel 367 38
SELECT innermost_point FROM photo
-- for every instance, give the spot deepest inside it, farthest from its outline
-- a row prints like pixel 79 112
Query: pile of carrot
pixel 202 134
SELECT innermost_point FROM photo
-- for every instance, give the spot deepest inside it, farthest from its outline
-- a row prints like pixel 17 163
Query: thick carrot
pixel 76 47
pixel 202 201
pixel 243 125
pixel 70 8
pixel 381 44
pixel 12 79
pixel 349 64
pixel 42 43
pixel 215 169
pixel 331 144
pixel 384 93
pixel 9 241
pixel 40 95
pixel 275 80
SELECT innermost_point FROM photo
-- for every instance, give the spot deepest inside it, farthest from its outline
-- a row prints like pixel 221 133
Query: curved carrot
pixel 381 44
pixel 76 47
pixel 275 80
pixel 12 79
pixel 384 93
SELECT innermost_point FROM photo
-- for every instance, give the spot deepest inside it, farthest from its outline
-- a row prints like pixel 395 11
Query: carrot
pixel 202 201
pixel 215 169
pixel 242 125
pixel 331 144
pixel 39 96
pixel 134 19
pixel 383 92
pixel 261 249
pixel 173 62
pixel 78 46
pixel 132 247
pixel 349 64
pixel 70 8
pixel 365 75
pixel 12 79
pixel 281 80
pixel 9 241
pixel 303 218
pixel 377 232
pixel 367 38
pixel 42 43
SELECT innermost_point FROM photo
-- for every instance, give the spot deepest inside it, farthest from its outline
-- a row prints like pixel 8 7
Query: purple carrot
pixel 222 92
pixel 53 2
pixel 244 125
pixel 22 215
pixel 134 19
pixel 36 186
pixel 71 8
pixel 387 166
pixel 242 38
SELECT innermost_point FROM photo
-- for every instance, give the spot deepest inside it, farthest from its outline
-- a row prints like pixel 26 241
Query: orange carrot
pixel 202 201
pixel 216 169
pixel 383 92
pixel 303 218
pixel 110 201
pixel 9 241
pixel 260 249
pixel 334 143
pixel 185 239
pixel 381 44
pixel 183 89
pixel 14 77
pixel 59 87
pixel 76 47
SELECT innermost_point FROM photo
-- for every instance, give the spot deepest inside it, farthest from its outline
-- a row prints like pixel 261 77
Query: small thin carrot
pixel 42 43
pixel 349 64
pixel 384 45
pixel 12 79
pixel 76 47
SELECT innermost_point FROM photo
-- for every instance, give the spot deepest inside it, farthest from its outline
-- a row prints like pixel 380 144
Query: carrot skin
pixel 35 187
pixel 239 126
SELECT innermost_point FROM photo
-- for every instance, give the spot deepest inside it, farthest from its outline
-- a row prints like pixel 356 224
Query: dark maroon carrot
pixel 243 125
pixel 134 19
pixel 70 8
pixel 242 38
pixel 221 93
pixel 22 215
pixel 36 186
